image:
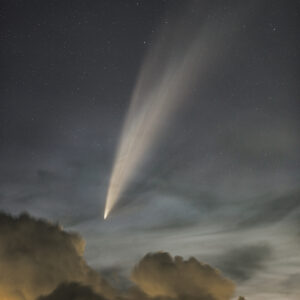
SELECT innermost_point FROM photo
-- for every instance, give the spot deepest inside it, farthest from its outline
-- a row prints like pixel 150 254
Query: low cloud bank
pixel 159 274
pixel 36 256
pixel 40 261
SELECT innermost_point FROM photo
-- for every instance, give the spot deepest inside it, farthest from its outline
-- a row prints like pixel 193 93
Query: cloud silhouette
pixel 72 291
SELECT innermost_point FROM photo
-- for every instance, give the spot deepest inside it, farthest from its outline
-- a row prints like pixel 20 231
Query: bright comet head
pixel 105 214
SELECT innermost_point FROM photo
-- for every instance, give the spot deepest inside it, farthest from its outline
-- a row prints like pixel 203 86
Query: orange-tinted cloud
pixel 159 274
pixel 41 261
pixel 36 256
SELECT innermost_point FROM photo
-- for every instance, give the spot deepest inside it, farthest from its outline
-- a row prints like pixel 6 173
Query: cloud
pixel 160 275
pixel 67 291
pixel 41 261
pixel 36 256
pixel 272 210
pixel 292 283
pixel 241 263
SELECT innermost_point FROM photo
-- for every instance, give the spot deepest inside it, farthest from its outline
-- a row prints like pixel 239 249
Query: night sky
pixel 220 184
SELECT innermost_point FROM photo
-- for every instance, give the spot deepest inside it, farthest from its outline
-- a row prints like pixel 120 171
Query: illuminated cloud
pixel 40 261
pixel 36 256
pixel 160 275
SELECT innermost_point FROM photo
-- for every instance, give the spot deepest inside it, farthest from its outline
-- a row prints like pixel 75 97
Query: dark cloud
pixel 36 256
pixel 72 291
pixel 242 263
pixel 117 277
pixel 160 275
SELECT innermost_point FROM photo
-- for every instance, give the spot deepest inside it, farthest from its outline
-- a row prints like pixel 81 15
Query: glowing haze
pixel 177 60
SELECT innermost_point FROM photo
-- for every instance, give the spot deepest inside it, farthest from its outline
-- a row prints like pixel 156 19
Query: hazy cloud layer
pixel 292 283
pixel 266 210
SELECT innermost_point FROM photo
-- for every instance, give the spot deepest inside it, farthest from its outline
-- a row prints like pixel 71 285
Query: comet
pixel 179 58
